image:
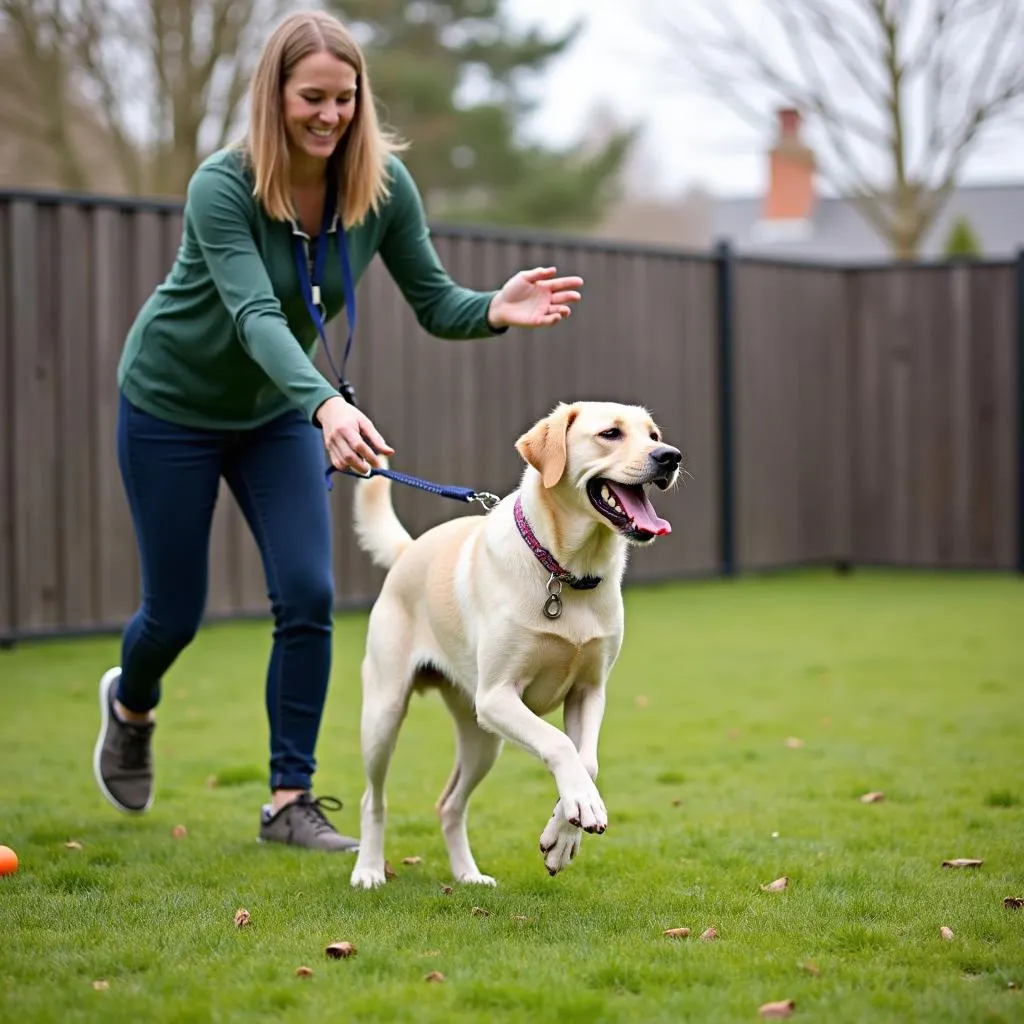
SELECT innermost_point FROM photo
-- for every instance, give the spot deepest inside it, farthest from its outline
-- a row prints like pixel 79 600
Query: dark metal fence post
pixel 1020 410
pixel 724 267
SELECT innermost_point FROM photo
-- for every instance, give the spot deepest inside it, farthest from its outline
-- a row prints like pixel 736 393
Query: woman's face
pixel 319 102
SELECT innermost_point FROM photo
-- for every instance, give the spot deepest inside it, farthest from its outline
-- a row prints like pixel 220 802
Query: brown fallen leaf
pixel 434 976
pixel 304 971
pixel 676 933
pixel 340 950
pixel 778 1010
pixel 242 917
pixel 641 701
pixel 709 934
pixel 412 860
pixel 946 933
pixel 793 743
pixel 179 831
pixel 211 781
pixel 777 886
pixel 811 968
pixel 480 912
pixel 72 844
pixel 446 890
pixel 1013 902
pixel 962 862
pixel 389 871
pixel 872 798
pixel 100 985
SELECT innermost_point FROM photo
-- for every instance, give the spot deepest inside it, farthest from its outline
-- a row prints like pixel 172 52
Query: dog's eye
pixel 611 434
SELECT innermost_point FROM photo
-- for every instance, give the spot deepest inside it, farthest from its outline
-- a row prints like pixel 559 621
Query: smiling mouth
pixel 322 133
pixel 628 509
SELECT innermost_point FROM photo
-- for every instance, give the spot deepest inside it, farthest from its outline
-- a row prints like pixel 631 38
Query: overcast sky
pixel 690 140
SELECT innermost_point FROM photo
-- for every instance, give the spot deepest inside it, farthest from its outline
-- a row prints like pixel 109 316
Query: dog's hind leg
pixel 386 692
pixel 475 753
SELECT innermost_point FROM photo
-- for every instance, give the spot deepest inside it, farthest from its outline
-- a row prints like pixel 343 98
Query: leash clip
pixel 486 499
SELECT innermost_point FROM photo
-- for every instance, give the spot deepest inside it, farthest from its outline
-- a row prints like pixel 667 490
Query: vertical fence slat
pixel 77 427
pixel 1000 286
pixel 35 412
pixel 9 614
pixel 1017 417
pixel 725 315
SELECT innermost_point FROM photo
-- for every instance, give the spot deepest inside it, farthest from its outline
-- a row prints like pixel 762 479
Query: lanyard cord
pixel 311 279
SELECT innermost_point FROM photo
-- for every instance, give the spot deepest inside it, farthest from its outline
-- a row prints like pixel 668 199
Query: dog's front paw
pixel 582 806
pixel 364 877
pixel 475 878
pixel 559 842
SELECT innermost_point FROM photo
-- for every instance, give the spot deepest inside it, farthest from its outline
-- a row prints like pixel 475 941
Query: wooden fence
pixel 827 414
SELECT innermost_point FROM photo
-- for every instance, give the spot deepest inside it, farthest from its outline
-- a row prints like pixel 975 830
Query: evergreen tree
pixel 451 76
pixel 962 242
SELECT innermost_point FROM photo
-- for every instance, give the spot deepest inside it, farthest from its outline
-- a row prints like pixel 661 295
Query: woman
pixel 217 380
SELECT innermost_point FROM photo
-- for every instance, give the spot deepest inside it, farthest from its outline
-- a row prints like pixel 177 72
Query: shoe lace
pixel 314 811
pixel 134 748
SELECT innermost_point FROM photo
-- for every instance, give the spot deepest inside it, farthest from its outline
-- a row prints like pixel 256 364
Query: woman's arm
pixel 531 298
pixel 442 307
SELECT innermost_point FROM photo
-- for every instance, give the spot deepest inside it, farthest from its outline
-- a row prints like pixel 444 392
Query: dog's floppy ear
pixel 543 445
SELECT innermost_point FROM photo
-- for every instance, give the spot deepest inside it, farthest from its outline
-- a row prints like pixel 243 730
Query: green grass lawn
pixel 910 685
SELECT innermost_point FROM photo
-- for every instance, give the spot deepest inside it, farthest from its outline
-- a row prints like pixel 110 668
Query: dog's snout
pixel 667 457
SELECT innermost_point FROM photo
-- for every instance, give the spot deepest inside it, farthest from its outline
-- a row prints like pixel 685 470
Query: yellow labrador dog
pixel 511 615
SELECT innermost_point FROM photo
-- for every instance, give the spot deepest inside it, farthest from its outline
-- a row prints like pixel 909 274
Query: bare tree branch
pixel 164 78
pixel 905 87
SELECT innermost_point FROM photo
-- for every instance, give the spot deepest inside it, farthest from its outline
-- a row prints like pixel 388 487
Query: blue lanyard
pixel 311 282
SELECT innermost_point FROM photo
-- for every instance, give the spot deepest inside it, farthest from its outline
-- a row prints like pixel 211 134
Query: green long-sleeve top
pixel 226 340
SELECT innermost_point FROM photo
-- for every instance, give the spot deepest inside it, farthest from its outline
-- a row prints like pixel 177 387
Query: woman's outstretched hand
pixel 534 298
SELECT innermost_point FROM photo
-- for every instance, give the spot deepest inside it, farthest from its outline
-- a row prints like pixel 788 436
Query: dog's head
pixel 611 453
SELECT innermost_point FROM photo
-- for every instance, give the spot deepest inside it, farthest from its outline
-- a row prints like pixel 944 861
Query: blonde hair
pixel 362 154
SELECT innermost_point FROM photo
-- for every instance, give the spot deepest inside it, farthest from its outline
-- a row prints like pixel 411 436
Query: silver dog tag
pixel 553 605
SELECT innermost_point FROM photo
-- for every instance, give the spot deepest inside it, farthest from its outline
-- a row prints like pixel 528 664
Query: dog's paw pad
pixel 368 878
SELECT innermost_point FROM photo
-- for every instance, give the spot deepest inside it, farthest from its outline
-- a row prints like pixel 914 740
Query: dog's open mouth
pixel 628 509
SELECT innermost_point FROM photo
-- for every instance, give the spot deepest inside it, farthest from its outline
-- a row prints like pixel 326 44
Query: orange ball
pixel 8 861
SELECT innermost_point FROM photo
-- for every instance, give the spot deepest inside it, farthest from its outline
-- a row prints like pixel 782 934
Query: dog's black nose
pixel 667 457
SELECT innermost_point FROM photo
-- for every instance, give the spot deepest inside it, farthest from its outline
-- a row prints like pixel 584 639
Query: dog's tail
pixel 379 531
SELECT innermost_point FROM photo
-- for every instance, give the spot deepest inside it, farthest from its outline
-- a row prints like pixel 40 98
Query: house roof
pixel 838 231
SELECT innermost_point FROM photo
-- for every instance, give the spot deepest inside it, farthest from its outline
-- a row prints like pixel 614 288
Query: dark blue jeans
pixel 276 473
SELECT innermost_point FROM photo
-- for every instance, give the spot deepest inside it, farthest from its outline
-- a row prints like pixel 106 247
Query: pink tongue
pixel 639 508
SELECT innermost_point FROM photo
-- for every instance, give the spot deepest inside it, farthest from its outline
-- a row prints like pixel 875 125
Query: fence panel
pixel 933 351
pixel 790 414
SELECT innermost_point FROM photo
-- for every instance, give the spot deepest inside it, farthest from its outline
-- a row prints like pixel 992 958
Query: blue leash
pixel 467 494
pixel 310 279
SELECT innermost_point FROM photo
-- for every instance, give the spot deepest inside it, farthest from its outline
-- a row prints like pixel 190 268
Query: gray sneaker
pixel 122 759
pixel 303 823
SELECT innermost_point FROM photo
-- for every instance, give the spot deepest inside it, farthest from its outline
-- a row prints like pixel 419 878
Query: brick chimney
pixel 790 193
